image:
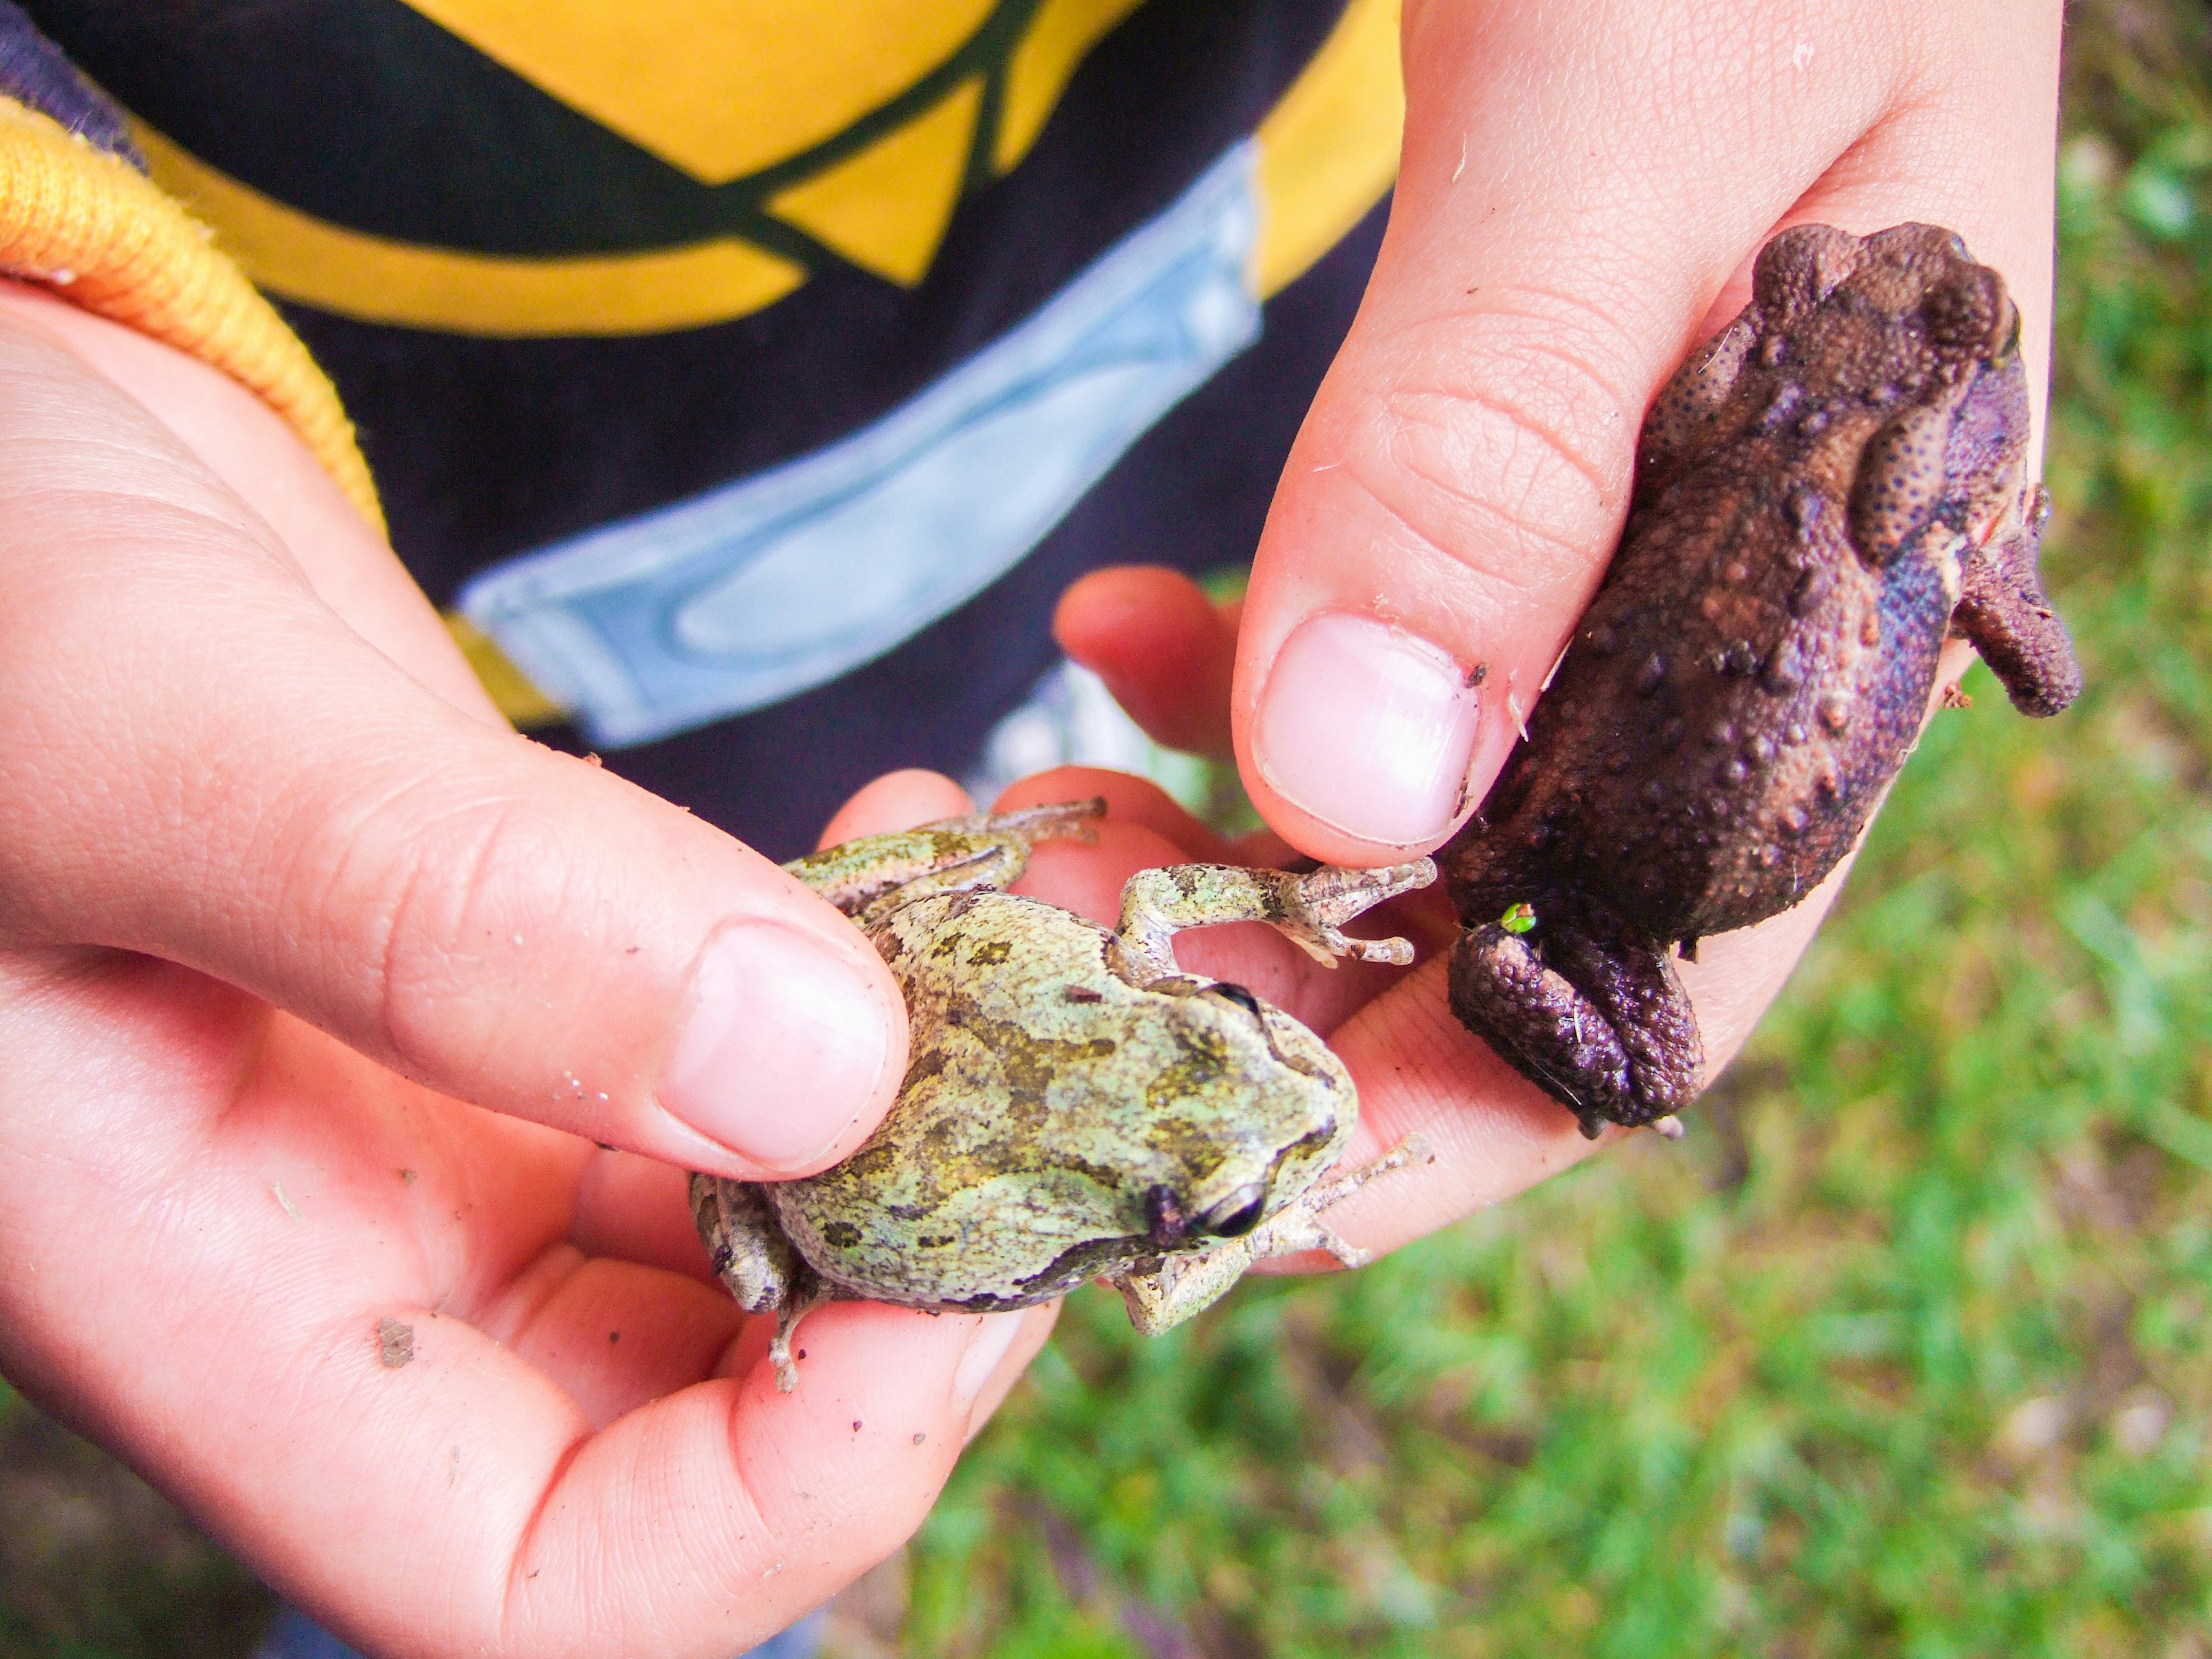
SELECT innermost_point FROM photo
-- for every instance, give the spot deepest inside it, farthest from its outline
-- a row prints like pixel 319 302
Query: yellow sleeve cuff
pixel 90 225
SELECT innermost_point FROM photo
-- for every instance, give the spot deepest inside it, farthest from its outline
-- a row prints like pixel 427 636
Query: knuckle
pixel 1501 439
pixel 450 896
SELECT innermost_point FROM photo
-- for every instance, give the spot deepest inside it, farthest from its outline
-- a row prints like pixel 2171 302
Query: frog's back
pixel 1045 1101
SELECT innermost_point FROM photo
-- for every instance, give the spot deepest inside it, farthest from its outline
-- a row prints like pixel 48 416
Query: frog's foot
pixel 1177 1286
pixel 1309 908
pixel 1413 1149
pixel 1605 1031
pixel 2002 609
pixel 1315 906
pixel 812 1291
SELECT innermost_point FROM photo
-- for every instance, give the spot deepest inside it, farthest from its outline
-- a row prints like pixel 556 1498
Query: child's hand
pixel 1583 187
pixel 282 909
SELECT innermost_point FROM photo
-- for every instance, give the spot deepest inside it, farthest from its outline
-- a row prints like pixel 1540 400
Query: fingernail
pixel 994 1334
pixel 785 1043
pixel 1368 728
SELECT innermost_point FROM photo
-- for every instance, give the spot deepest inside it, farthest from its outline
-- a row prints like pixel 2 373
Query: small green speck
pixel 1518 918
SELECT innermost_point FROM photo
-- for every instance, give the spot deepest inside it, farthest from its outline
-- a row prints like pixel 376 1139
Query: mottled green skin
pixel 1074 1106
pixel 1046 1097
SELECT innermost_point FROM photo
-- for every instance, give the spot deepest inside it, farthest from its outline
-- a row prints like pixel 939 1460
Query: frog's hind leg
pixel 745 1242
pixel 952 855
pixel 1605 1031
pixel 757 1264
pixel 1310 908
pixel 2004 610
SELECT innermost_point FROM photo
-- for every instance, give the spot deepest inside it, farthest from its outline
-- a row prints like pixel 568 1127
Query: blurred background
pixel 1903 1352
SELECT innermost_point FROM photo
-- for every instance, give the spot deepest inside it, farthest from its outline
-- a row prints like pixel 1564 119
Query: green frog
pixel 1076 1105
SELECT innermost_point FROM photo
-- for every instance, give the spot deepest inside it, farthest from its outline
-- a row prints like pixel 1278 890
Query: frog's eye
pixel 1236 1214
pixel 1238 994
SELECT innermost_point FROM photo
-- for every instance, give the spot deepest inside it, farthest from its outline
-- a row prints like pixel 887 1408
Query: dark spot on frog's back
pixel 842 1234
pixel 991 954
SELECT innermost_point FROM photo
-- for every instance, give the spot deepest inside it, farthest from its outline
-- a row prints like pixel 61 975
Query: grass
pixel 1903 1354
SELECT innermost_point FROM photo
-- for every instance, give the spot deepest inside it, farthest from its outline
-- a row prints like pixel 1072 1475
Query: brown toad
pixel 1822 494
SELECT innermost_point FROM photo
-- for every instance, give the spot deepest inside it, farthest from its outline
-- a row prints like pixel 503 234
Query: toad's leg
pixel 1607 1031
pixel 952 855
pixel 1184 1285
pixel 1310 908
pixel 2002 609
pixel 756 1262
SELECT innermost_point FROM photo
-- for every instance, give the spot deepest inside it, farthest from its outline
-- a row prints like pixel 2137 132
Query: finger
pixel 637 1209
pixel 610 1336
pixel 695 1525
pixel 200 761
pixel 1029 1341
pixel 366 1329
pixel 1494 1133
pixel 1130 800
pixel 897 800
pixel 1162 648
pixel 1556 239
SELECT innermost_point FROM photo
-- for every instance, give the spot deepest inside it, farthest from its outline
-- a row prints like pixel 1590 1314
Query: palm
pixel 217 1184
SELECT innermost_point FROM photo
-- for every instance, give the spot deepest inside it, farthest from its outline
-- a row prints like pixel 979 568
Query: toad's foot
pixel 1310 910
pixel 2002 609
pixel 1605 1031
pixel 1184 1285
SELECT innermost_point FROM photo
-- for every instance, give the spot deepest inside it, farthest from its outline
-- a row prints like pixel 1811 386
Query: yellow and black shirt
pixel 745 378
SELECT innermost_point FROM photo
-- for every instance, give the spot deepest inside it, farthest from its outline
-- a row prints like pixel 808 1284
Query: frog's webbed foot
pixel 953 855
pixel 2003 608
pixel 1605 1030
pixel 1175 1287
pixel 1309 908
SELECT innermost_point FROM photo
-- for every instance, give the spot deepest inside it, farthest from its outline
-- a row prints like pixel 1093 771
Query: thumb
pixel 201 761
pixel 1580 182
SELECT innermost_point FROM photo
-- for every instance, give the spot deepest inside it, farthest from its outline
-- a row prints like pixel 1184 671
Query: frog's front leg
pixel 1602 1026
pixel 1310 910
pixel 1184 1285
pixel 751 1256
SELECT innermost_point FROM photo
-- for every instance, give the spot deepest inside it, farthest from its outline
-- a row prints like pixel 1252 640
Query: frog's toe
pixel 1331 895
pixel 1398 952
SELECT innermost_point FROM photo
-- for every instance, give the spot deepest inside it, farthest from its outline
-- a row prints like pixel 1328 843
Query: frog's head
pixel 1248 1129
